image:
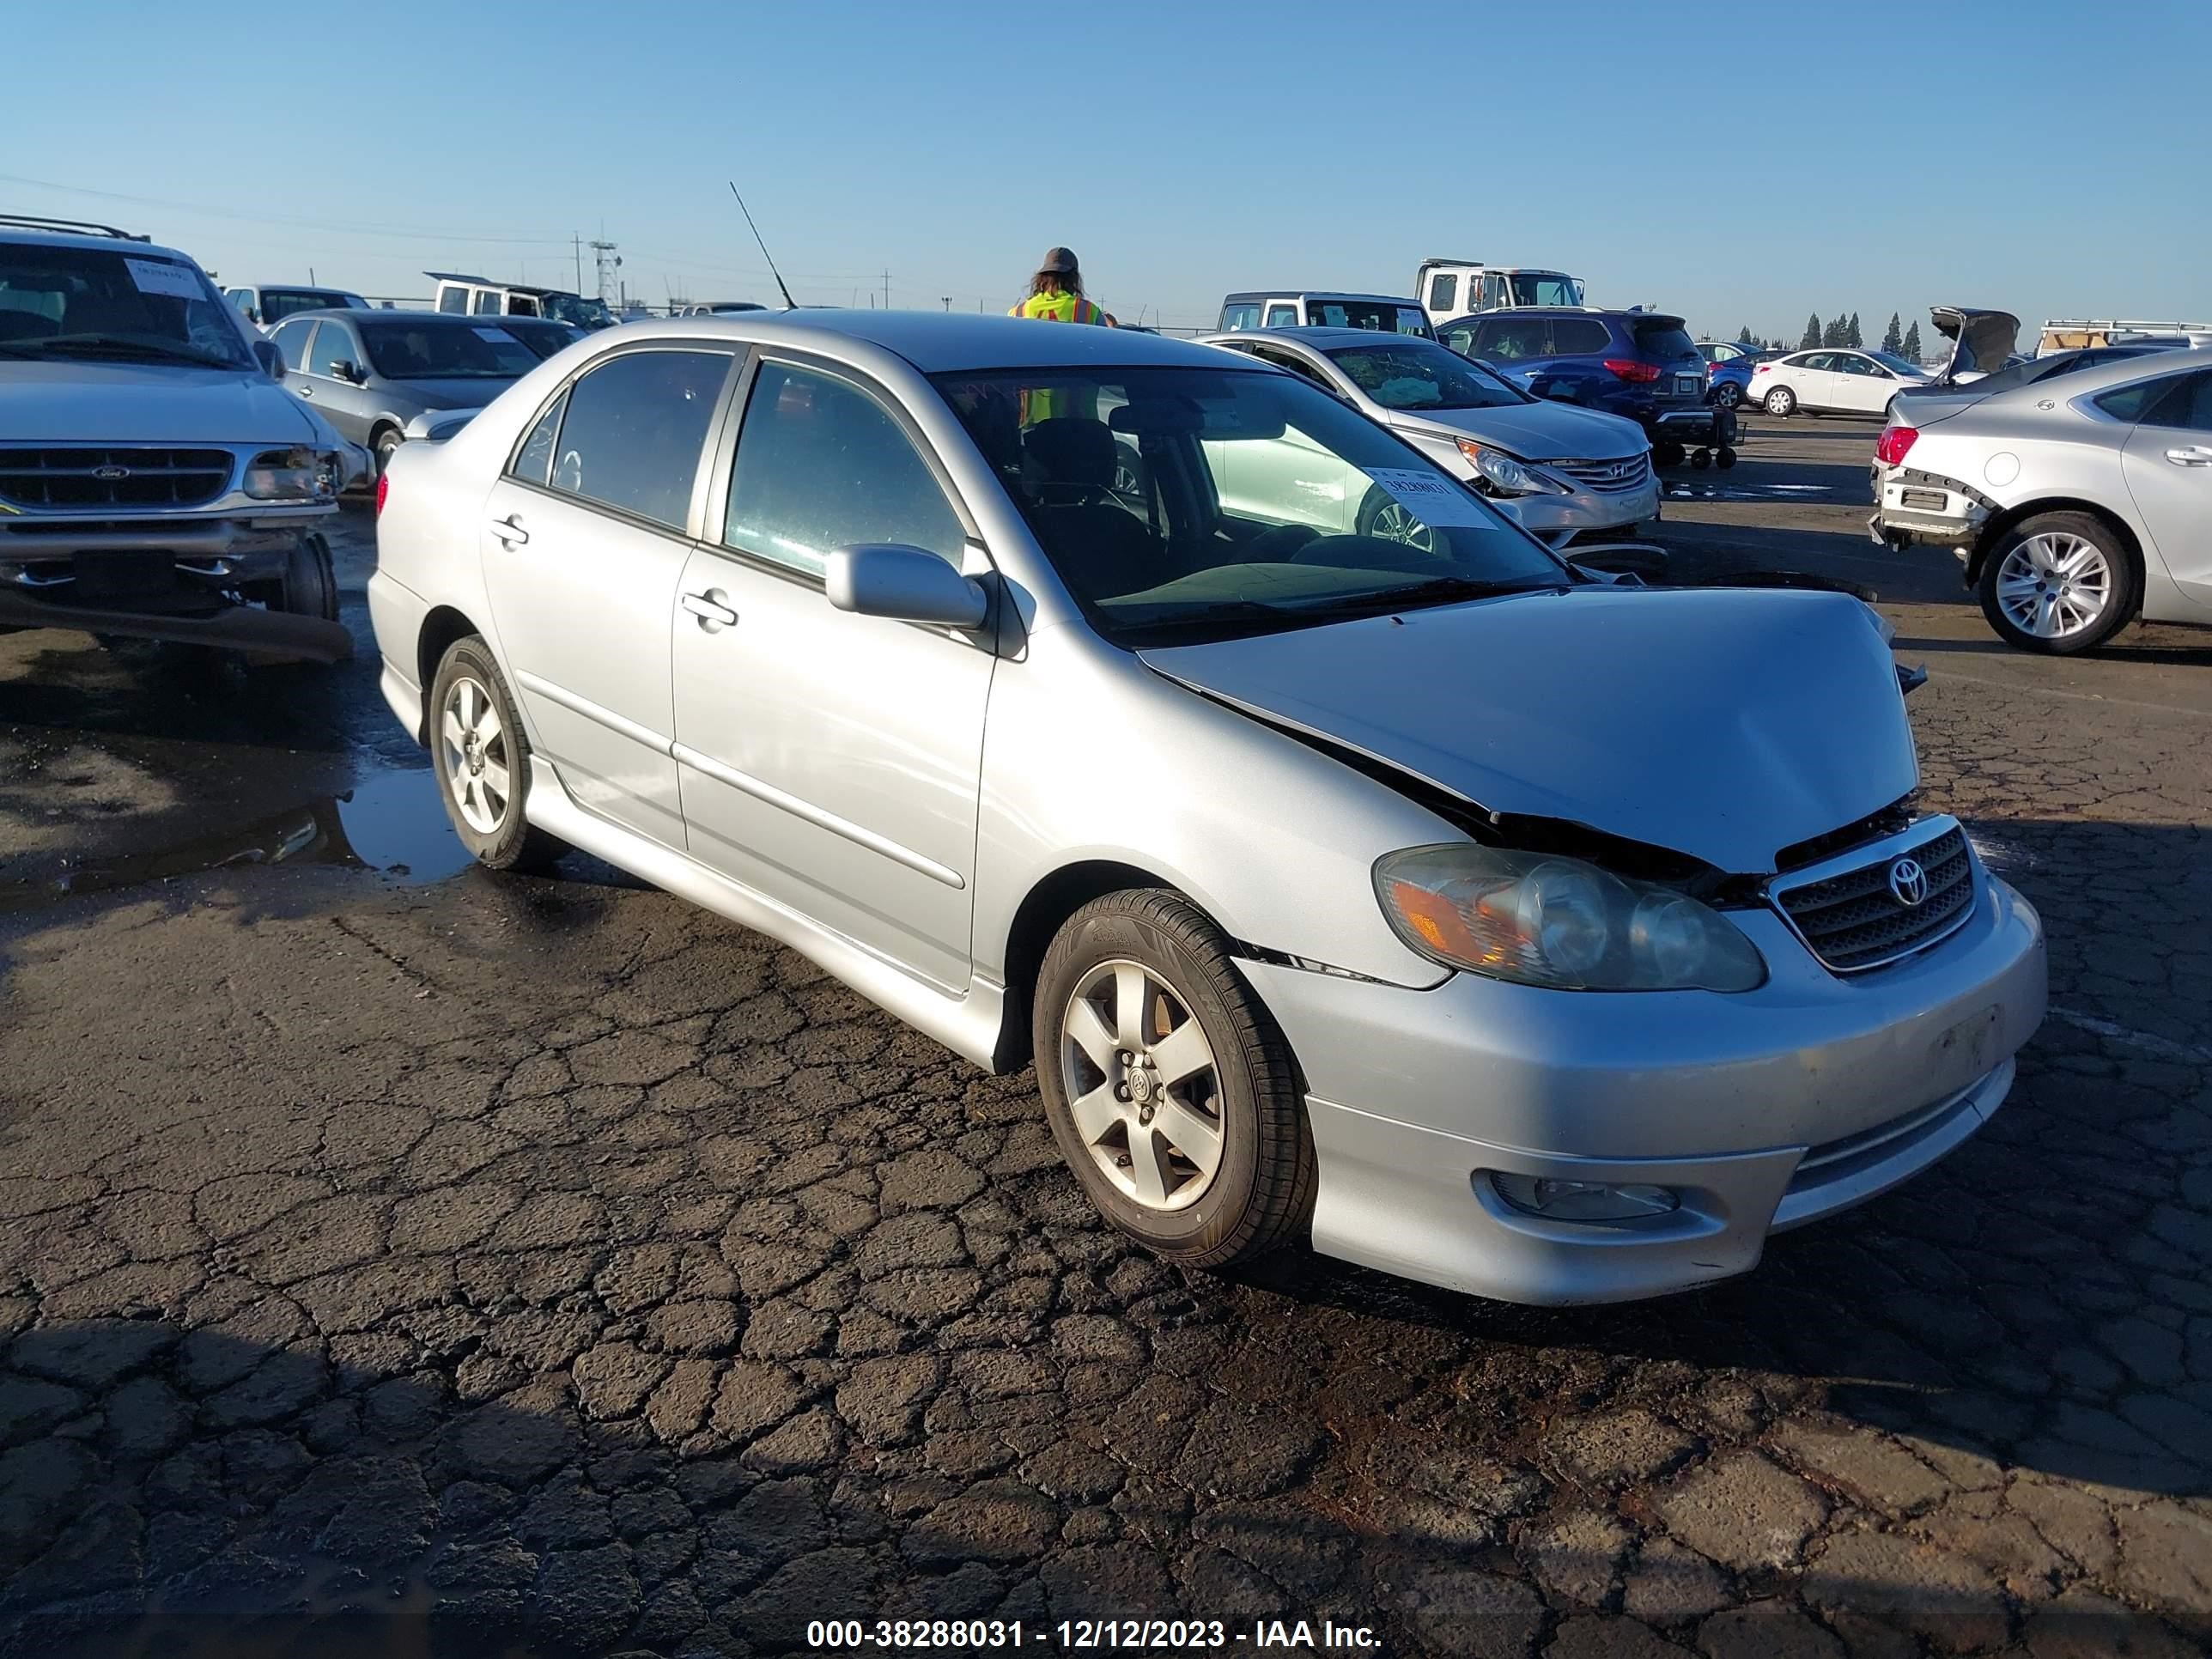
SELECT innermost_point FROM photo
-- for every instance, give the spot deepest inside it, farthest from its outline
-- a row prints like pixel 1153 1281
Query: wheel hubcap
pixel 1394 524
pixel 2054 585
pixel 1142 1086
pixel 472 747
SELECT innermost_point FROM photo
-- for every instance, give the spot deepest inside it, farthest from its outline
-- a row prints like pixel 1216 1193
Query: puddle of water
pixel 1720 492
pixel 392 823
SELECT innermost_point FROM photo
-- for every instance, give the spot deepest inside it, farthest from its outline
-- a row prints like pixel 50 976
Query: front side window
pixel 487 302
pixel 821 465
pixel 1421 374
pixel 446 352
pixel 291 342
pixel 453 301
pixel 69 304
pixel 333 346
pixel 1543 291
pixel 1443 293
pixel 1267 504
pixel 634 426
pixel 1282 316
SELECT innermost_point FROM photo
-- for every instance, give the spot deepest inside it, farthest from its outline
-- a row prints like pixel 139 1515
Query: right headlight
pixel 1537 919
pixel 1505 474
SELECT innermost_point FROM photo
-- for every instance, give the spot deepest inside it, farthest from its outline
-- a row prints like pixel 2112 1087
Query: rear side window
pixel 1510 339
pixel 1581 336
pixel 1282 316
pixel 1443 293
pixel 821 465
pixel 533 462
pixel 486 303
pixel 1234 317
pixel 1665 341
pixel 291 343
pixel 633 430
pixel 2186 405
pixel 2129 403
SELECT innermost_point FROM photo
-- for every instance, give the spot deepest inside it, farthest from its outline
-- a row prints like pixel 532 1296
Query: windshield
pixel 580 312
pixel 441 351
pixel 278 303
pixel 1378 314
pixel 542 335
pixel 1422 374
pixel 1186 504
pixel 1544 290
pixel 1895 364
pixel 67 302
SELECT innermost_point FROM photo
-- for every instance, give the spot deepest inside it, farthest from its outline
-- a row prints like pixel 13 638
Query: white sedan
pixel 1832 382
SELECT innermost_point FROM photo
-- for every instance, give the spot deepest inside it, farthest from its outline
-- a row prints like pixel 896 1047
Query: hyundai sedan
pixel 1547 937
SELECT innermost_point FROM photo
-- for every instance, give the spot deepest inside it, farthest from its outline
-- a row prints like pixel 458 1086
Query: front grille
pixel 1610 476
pixel 1854 921
pixel 79 478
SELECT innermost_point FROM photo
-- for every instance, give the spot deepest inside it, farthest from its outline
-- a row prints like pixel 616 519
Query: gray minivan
pixel 369 373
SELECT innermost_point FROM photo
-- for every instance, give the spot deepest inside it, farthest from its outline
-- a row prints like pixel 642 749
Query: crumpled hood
pixel 1725 724
pixel 1980 340
pixel 149 404
pixel 1534 432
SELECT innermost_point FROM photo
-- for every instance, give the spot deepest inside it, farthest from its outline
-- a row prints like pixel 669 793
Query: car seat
pixel 1099 547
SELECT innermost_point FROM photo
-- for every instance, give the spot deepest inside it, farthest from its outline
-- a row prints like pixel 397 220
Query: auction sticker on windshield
pixel 1437 499
pixel 163 276
pixel 498 334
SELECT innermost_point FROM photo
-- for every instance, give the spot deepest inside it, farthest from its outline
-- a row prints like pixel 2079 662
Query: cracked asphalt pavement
pixel 399 1259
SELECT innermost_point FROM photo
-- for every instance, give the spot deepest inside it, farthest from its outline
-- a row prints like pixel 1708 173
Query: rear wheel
pixel 1782 402
pixel 1727 394
pixel 1170 1091
pixel 2058 583
pixel 385 446
pixel 483 761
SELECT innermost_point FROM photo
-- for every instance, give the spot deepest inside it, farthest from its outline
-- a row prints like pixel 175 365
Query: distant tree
pixel 1853 336
pixel 1743 335
pixel 1812 335
pixel 1833 335
pixel 1893 342
pixel 1911 350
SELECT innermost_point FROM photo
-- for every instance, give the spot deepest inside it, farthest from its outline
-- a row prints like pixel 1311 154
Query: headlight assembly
pixel 1505 474
pixel 1537 919
pixel 293 475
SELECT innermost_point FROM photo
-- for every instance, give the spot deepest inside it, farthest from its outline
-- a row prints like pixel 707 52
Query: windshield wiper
pixel 1441 590
pixel 71 343
pixel 1225 613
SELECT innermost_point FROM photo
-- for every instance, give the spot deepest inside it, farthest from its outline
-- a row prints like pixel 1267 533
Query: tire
pixel 1383 517
pixel 1667 451
pixel 1257 1193
pixel 491 825
pixel 309 587
pixel 2060 584
pixel 1782 403
pixel 1701 459
pixel 1727 394
pixel 1725 457
pixel 383 446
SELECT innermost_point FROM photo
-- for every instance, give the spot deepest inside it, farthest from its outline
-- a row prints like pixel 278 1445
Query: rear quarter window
pixel 1667 341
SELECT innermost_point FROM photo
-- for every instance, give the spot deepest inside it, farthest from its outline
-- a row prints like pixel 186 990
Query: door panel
pixel 830 761
pixel 2167 462
pixel 584 609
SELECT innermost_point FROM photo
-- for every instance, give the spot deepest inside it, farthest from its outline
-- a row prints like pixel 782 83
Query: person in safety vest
pixel 1056 297
pixel 1056 293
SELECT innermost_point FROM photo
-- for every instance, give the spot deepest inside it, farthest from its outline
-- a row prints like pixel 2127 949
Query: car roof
pixel 1320 293
pixel 292 288
pixel 2120 371
pixel 504 288
pixel 936 341
pixel 1324 339
pixel 434 319
pixel 1669 318
pixel 92 242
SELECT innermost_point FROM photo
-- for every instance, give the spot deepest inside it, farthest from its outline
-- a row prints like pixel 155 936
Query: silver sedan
pixel 1559 472
pixel 2075 500
pixel 1540 935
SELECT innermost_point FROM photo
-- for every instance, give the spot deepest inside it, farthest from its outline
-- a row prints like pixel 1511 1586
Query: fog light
pixel 1581 1200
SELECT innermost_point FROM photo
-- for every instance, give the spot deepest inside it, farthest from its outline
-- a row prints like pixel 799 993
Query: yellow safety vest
pixel 1062 307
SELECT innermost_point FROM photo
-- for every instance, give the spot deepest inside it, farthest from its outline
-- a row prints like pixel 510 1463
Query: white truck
pixel 1454 287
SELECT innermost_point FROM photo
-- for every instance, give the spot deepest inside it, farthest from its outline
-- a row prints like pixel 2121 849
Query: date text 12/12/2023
pixel 1086 1635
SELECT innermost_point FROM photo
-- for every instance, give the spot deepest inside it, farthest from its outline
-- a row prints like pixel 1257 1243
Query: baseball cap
pixel 1057 260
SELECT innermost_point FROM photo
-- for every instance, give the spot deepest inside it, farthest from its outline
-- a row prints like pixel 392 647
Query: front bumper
pixel 1914 505
pixel 1556 518
pixel 1762 1111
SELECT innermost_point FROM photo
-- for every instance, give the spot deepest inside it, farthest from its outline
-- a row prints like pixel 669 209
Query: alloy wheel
pixel 1142 1084
pixel 1393 523
pixel 473 749
pixel 2054 585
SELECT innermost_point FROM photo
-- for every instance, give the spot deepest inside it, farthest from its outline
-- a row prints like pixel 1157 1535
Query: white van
pixel 1454 287
pixel 478 297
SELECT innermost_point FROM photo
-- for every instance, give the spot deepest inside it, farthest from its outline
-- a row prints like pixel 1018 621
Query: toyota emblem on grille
pixel 1908 882
pixel 111 474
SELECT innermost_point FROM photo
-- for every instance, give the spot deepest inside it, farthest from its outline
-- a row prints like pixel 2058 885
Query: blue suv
pixel 1640 364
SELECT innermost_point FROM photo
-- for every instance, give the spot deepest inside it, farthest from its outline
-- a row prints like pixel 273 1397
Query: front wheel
pixel 1727 394
pixel 1782 402
pixel 1384 516
pixel 1170 1091
pixel 2058 583
pixel 310 584
pixel 483 761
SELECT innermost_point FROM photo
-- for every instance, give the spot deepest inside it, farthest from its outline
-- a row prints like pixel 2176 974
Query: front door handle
pixel 711 612
pixel 306 390
pixel 2194 455
pixel 509 530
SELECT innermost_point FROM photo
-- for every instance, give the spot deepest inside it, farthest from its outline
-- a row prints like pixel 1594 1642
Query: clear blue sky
pixel 1739 163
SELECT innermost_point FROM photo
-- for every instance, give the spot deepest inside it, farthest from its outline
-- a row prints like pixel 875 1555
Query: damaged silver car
pixel 1551 938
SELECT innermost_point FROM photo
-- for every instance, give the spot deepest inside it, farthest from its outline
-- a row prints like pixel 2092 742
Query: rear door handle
pixel 711 612
pixel 2194 455
pixel 510 532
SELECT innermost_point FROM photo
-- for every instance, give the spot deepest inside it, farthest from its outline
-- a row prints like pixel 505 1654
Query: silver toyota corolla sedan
pixel 1544 936
pixel 1560 473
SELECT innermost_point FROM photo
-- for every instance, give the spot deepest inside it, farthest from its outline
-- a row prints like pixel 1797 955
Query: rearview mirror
pixel 903 584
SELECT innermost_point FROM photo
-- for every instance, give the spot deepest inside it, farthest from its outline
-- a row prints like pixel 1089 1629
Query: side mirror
pixel 271 359
pixel 904 584
pixel 349 373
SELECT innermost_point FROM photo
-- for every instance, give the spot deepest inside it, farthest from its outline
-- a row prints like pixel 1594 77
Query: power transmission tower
pixel 605 261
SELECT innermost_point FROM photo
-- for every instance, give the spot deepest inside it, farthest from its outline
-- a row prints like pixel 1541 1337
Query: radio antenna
pixel 789 304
